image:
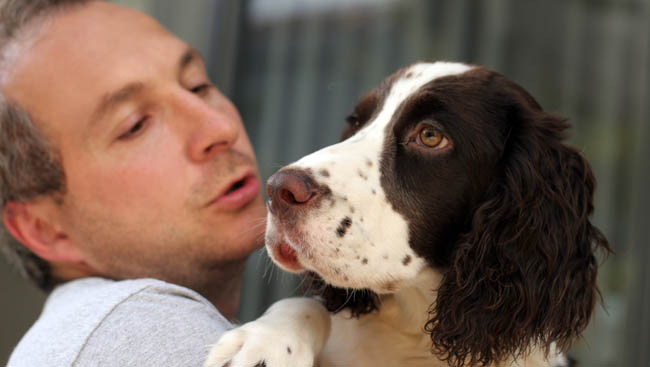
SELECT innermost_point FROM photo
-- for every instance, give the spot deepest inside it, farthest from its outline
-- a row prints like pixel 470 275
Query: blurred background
pixel 295 69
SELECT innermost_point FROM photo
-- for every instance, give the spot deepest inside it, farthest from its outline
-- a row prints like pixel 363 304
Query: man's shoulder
pixel 119 322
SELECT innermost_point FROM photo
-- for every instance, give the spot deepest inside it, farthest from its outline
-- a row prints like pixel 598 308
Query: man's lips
pixel 238 193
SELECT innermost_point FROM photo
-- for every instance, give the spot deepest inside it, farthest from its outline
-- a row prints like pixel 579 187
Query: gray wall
pixel 296 67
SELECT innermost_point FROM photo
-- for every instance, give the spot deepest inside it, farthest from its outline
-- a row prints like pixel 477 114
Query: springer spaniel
pixel 450 227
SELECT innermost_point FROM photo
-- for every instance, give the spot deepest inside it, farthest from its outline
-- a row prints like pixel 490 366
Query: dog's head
pixel 455 168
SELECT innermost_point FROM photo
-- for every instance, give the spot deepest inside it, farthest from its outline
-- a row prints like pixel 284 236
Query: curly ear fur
pixel 525 274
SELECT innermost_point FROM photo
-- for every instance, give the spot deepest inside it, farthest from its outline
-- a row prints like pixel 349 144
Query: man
pixel 127 181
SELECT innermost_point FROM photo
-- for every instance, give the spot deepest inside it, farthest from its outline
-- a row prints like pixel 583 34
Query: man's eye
pixel 200 88
pixel 135 129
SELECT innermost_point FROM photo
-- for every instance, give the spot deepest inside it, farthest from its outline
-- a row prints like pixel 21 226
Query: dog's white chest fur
pixel 392 336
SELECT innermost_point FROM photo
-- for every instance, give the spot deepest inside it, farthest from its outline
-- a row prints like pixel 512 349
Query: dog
pixel 449 227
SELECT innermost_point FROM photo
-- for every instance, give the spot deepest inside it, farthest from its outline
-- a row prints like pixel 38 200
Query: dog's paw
pixel 290 334
pixel 259 344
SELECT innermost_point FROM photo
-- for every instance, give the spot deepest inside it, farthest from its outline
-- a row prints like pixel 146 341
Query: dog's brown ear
pixel 525 274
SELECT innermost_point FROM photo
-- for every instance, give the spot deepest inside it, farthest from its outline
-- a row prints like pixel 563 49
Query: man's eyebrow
pixel 189 55
pixel 112 100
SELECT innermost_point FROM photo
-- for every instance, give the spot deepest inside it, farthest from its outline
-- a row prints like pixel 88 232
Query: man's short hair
pixel 29 166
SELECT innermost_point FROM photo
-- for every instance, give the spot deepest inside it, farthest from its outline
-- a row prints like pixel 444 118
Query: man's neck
pixel 224 288
pixel 226 298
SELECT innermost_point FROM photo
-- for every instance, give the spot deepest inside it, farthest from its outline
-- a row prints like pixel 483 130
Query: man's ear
pixel 35 225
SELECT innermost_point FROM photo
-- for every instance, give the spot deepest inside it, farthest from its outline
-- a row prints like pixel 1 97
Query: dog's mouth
pixel 287 257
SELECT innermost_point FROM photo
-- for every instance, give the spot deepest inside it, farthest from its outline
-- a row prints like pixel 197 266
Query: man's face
pixel 161 177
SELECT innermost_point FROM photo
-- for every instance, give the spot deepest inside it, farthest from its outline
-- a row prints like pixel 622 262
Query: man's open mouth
pixel 240 193
pixel 236 186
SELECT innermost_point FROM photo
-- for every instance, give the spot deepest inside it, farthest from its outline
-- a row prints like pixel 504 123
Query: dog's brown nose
pixel 290 189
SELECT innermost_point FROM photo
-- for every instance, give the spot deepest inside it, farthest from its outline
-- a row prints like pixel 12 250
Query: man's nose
pixel 213 130
pixel 290 190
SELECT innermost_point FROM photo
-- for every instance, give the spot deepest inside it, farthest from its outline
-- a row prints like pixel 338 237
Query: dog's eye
pixel 430 137
pixel 353 120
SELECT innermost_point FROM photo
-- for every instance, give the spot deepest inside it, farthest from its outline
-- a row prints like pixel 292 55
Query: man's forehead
pixel 95 29
pixel 91 49
pixel 68 28
pixel 101 15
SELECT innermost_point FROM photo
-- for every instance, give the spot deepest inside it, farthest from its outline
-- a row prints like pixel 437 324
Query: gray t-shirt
pixel 140 322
